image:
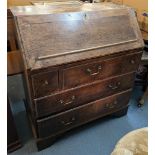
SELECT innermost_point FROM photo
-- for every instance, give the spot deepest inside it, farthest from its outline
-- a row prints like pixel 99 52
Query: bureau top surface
pixel 62 8
pixel 58 34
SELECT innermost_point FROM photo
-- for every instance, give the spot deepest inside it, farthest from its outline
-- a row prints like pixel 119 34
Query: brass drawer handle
pixel 68 123
pixel 46 82
pixel 132 61
pixel 113 87
pixel 112 105
pixel 95 73
pixel 115 102
pixel 66 103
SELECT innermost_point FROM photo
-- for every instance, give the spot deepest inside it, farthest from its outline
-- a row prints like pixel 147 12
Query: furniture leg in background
pixel 143 98
pixel 142 76
pixel 14 66
pixel 13 141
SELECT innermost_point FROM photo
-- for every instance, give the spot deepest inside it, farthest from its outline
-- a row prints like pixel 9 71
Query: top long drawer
pixel 101 69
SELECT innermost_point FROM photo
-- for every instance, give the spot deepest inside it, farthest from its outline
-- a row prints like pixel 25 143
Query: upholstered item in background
pixel 134 143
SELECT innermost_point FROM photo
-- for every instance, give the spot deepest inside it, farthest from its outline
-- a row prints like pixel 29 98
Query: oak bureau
pixel 79 63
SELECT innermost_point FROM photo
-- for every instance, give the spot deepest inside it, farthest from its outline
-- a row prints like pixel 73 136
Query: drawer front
pixel 90 72
pixel 71 118
pixel 45 83
pixel 75 97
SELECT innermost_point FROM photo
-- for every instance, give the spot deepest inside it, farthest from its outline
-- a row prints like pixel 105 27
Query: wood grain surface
pixel 69 99
pixel 77 32
pixel 61 122
pixel 14 63
pixel 79 63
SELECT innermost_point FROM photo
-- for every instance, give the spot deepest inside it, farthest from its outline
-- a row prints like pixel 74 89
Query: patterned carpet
pixel 96 138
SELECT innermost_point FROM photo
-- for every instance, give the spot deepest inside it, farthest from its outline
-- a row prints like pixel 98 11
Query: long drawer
pixel 61 122
pixel 85 94
pixel 99 69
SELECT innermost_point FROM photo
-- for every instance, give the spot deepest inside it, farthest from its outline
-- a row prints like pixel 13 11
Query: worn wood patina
pixel 79 63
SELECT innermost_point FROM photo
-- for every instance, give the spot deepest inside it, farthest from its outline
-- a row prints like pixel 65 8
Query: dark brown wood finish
pixel 99 70
pixel 64 121
pixel 84 61
pixel 45 83
pixel 43 143
pixel 72 98
pixel 90 23
pixel 11 34
pixel 79 64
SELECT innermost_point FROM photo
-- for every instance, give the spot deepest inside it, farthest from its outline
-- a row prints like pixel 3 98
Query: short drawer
pixel 80 115
pixel 101 69
pixel 45 83
pixel 82 95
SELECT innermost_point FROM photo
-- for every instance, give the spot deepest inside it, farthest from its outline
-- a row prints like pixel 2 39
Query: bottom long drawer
pixel 64 121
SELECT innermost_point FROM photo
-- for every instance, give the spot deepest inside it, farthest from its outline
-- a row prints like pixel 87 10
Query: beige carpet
pixel 133 143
